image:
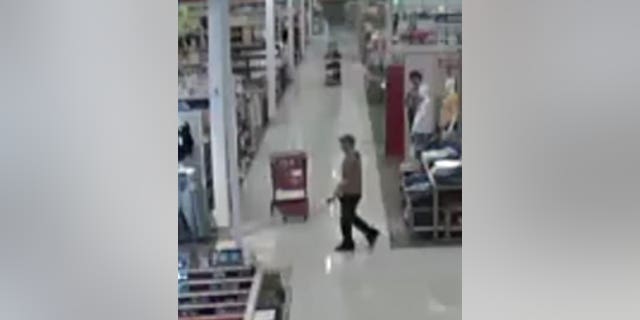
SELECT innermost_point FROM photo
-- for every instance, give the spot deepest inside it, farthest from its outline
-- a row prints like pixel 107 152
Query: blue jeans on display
pixel 453 145
pixel 450 177
pixel 422 142
pixel 415 178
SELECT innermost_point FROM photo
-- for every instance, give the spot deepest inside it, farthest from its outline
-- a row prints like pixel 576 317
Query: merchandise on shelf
pixel 194 220
pixel 192 51
pixel 433 195
pixel 225 287
pixel 199 158
pixel 185 141
pixel 424 27
pixel 251 114
pixel 248 63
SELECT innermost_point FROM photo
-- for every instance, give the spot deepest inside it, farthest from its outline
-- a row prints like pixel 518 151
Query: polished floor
pixel 423 283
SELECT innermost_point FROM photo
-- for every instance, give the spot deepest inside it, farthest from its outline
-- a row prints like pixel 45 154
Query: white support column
pixel 301 26
pixel 290 31
pixel 270 36
pixel 309 19
pixel 388 35
pixel 222 112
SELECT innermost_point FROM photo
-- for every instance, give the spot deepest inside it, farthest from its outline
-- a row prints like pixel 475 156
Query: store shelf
pixel 250 56
pixel 248 46
pixel 199 65
pixel 213 293
pixel 215 317
pixel 198 306
pixel 247 2
pixel 239 69
pixel 219 269
pixel 215 281
pixel 226 292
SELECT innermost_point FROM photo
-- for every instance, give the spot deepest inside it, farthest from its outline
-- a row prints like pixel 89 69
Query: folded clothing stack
pixel 447 172
pixel 415 178
pixel 416 182
pixel 417 188
pixel 447 153
pixel 452 144
pixel 410 166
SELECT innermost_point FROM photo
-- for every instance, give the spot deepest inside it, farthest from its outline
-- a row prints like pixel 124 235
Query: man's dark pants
pixel 349 218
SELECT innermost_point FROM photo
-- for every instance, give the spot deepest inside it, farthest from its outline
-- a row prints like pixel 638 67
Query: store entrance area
pixel 380 284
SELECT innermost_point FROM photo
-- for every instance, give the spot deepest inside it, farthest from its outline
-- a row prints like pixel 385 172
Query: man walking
pixel 349 192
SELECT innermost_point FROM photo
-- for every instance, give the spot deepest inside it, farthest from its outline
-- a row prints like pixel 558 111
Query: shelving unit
pixel 192 51
pixel 428 28
pixel 252 122
pixel 248 63
pixel 274 300
pixel 219 293
pixel 248 47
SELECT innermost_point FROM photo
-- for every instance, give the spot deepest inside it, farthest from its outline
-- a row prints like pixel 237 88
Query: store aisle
pixel 384 284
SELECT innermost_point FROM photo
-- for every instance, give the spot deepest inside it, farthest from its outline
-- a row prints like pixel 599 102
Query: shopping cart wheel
pixel 305 217
pixel 285 219
pixel 272 208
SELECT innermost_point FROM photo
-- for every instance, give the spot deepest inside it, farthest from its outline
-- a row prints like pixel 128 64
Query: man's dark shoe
pixel 345 247
pixel 372 238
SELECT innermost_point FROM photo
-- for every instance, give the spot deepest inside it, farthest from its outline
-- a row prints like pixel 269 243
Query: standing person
pixel 422 122
pixel 296 44
pixel 349 192
pixel 413 98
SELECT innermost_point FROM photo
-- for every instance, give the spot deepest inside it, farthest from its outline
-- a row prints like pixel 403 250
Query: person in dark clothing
pixel 349 192
pixel 296 41
pixel 185 142
pixel 296 44
pixel 412 99
pixel 396 22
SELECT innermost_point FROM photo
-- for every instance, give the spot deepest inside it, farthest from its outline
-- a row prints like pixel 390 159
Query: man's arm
pixel 340 186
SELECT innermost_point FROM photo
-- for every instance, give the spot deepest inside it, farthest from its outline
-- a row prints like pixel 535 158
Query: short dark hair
pixel 415 74
pixel 348 139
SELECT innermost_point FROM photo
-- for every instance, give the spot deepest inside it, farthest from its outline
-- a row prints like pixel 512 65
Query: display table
pixel 439 212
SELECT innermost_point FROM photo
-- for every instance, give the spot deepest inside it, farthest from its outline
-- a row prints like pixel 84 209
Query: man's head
pixel 347 143
pixel 415 77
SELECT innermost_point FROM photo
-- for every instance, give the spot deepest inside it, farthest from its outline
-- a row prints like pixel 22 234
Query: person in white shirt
pixel 423 128
pixel 412 99
pixel 424 120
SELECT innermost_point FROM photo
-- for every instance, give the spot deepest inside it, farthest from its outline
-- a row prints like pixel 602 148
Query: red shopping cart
pixel 289 180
